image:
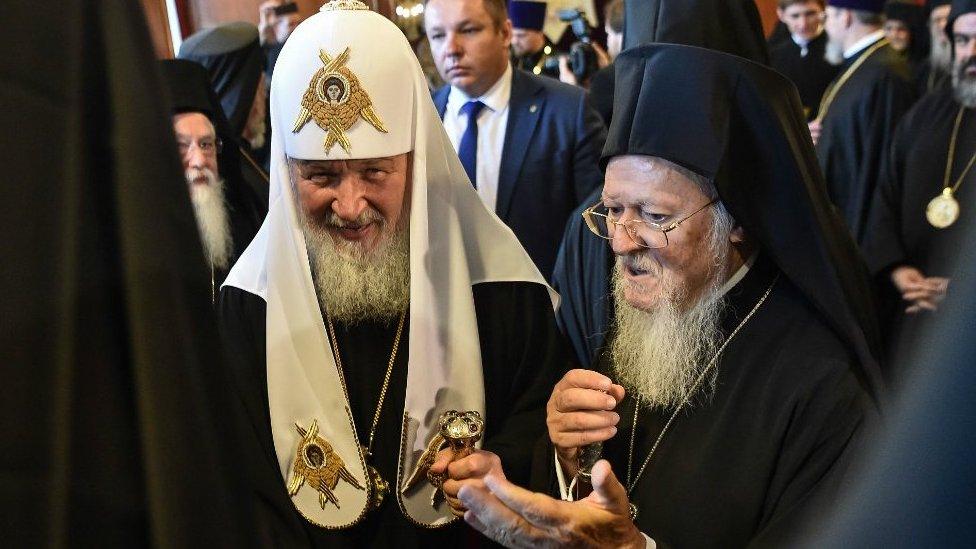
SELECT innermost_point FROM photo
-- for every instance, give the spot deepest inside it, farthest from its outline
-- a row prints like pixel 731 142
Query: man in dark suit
pixel 534 147
pixel 801 57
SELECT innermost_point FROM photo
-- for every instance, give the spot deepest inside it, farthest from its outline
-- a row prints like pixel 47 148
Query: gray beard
pixel 354 285
pixel 213 221
pixel 660 354
pixel 963 88
pixel 941 55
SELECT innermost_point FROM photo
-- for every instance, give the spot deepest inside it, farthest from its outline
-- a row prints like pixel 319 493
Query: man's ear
pixel 781 14
pixel 738 235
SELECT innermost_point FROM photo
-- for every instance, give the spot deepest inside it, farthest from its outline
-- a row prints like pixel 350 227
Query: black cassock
pixel 811 73
pixel 857 131
pixel 914 172
pixel 748 465
pixel 523 356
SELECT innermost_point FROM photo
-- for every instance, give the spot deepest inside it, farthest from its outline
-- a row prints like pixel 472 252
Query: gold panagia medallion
pixel 336 100
pixel 317 464
pixel 943 210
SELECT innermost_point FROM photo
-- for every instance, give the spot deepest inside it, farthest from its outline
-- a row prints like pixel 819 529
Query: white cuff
pixel 565 492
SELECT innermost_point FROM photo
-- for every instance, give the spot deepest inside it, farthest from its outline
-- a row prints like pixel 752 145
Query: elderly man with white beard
pixel 379 295
pixel 228 214
pixel 740 369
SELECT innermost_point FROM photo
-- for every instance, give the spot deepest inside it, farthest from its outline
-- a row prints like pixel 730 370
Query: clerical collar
pixel 496 98
pixel 740 274
pixel 863 43
pixel 804 43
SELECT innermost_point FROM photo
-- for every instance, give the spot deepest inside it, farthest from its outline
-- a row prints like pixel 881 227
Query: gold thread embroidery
pixel 317 464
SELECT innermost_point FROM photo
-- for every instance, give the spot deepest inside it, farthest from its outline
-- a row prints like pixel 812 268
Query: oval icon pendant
pixel 943 210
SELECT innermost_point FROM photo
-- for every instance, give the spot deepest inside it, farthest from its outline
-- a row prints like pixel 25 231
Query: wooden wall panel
pixel 767 9
pixel 158 27
pixel 210 13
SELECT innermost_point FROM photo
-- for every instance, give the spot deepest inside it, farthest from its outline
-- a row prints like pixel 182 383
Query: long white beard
pixel 941 55
pixel 834 52
pixel 354 285
pixel 660 354
pixel 212 216
pixel 964 87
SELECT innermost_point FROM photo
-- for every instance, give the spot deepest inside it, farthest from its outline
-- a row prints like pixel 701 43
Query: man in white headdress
pixel 379 294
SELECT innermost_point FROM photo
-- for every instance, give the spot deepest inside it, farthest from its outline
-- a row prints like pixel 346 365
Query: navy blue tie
pixel 468 149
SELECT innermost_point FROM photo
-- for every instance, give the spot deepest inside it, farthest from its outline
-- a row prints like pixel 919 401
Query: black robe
pixel 523 356
pixel 928 79
pixel 811 72
pixel 857 131
pixel 748 465
pixel 116 426
pixel 898 232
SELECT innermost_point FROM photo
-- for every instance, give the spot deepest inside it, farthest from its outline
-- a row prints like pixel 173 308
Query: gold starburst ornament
pixel 319 466
pixel 336 100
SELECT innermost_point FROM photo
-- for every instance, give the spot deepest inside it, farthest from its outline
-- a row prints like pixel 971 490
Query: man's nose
pixel 452 46
pixel 350 201
pixel 622 244
pixel 195 158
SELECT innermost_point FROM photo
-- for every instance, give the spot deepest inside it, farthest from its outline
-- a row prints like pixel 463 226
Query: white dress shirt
pixel 492 122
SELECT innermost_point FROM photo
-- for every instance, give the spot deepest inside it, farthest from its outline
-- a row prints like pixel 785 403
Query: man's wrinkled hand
pixel 518 518
pixel 469 470
pixel 921 292
pixel 580 412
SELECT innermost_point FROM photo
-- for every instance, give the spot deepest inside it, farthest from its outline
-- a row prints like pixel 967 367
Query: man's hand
pixel 565 72
pixel 580 412
pixel 470 470
pixel 518 518
pixel 921 292
pixel 815 128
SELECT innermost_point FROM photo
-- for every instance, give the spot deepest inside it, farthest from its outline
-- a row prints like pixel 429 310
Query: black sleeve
pixel 828 427
pixel 883 246
pixel 523 355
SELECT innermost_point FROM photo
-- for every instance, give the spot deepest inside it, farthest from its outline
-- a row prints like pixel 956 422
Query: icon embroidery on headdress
pixel 339 5
pixel 319 465
pixel 336 100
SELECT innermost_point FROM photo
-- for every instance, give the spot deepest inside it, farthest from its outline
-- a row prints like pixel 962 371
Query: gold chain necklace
pixel 379 487
pixel 631 484
pixel 836 86
pixel 943 210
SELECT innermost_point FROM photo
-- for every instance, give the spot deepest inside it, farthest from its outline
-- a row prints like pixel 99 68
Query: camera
pixel 582 56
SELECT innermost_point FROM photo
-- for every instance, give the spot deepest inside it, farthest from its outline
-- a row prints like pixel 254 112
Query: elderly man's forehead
pixel 630 174
pixel 307 164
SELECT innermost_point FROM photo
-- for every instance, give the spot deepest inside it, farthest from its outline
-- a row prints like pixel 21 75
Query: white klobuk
pixel 455 242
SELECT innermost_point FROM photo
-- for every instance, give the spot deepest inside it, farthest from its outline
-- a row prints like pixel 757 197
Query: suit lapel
pixel 440 100
pixel 524 111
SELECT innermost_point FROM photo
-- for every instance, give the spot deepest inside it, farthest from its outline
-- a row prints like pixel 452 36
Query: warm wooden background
pixel 209 13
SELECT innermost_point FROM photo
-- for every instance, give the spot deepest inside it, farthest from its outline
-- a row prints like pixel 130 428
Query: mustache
pixel 964 66
pixel 368 216
pixel 192 174
pixel 641 262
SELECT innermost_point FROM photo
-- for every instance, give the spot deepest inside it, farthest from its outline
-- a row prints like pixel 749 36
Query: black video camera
pixel 582 56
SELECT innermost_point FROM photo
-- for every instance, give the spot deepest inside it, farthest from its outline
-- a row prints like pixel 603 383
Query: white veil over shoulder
pixel 455 242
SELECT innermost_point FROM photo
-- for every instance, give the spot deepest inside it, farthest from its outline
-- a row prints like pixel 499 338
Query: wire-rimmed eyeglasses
pixel 643 233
